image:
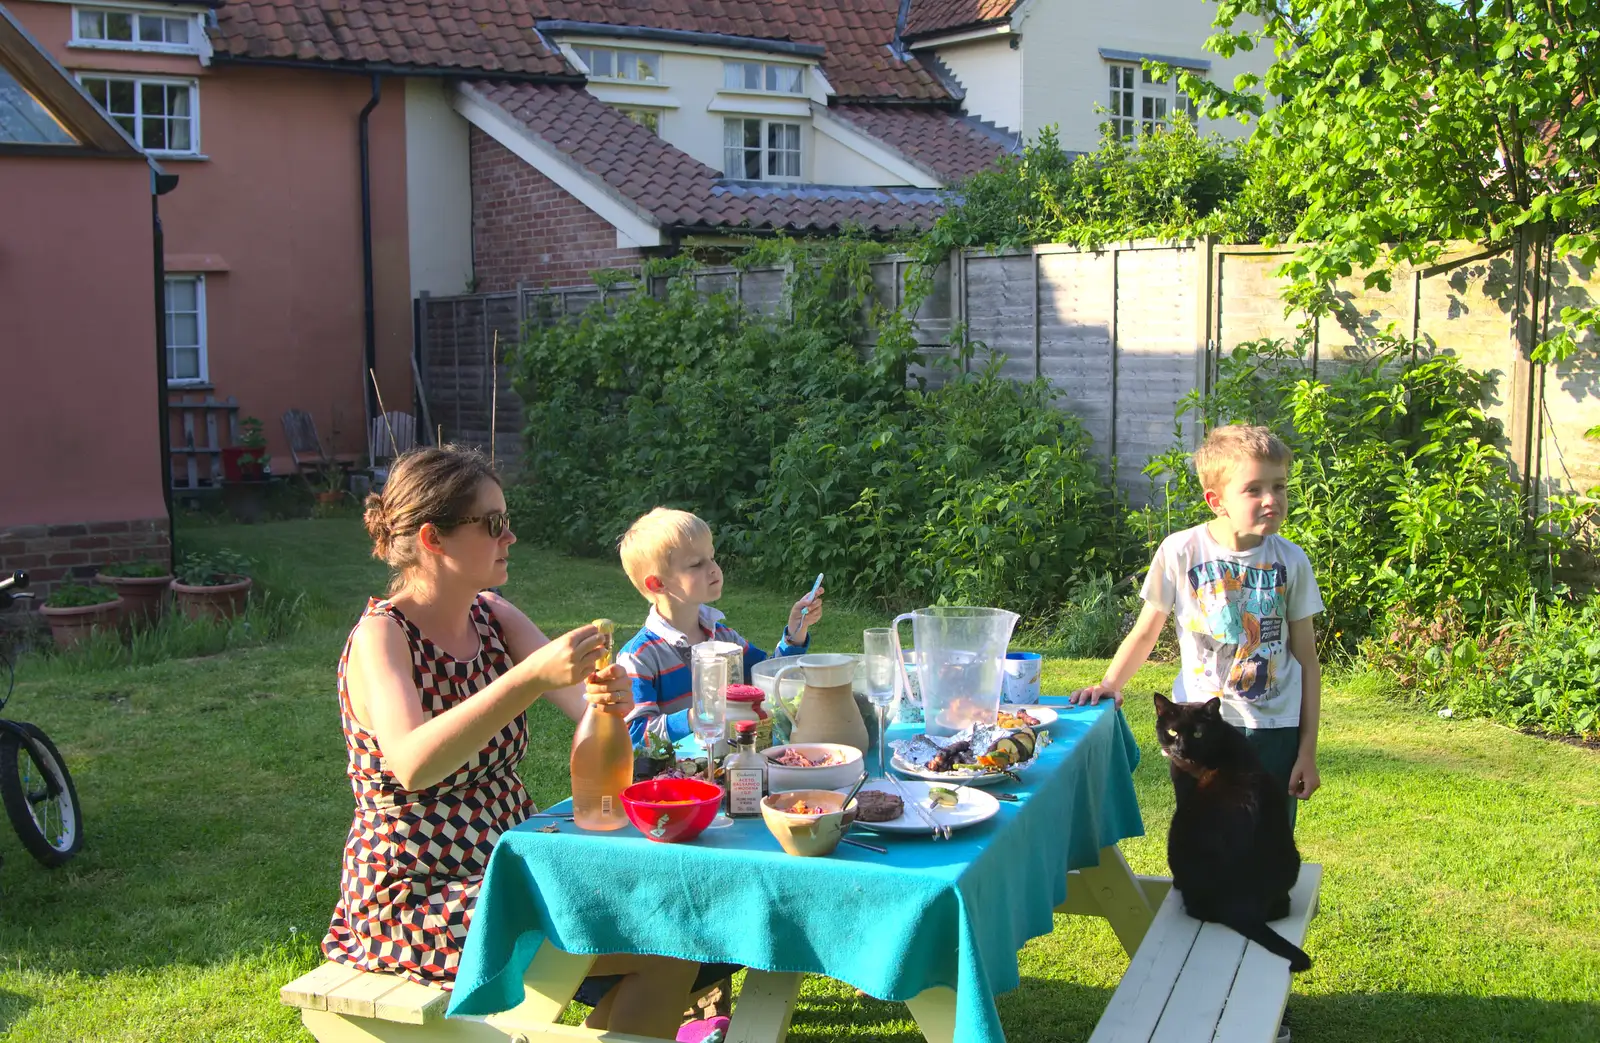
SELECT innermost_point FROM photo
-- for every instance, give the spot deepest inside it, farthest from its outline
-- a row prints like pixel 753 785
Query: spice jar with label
pixel 744 774
pixel 745 704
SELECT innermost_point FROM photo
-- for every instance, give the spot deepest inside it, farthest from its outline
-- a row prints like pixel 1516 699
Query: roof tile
pixel 676 189
pixel 937 16
pixel 946 144
pixel 858 34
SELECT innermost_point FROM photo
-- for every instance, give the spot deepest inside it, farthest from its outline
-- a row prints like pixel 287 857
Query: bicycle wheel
pixel 39 796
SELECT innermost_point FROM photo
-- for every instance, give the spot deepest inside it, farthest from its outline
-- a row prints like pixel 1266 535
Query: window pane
pixel 792 136
pixel 183 363
pixel 1147 76
pixel 733 133
pixel 183 329
pixel 772 78
pixel 732 75
pixel 752 134
pixel 647 67
pixel 585 55
pixel 182 295
pixel 601 66
pixel 178 135
pixel 752 76
pixel 119 26
pixel 1116 77
pixel 121 93
pixel 623 62
pixel 178 101
pixel 91 25
pixel 155 133
pixel 97 90
pixel 789 78
pixel 151 29
pixel 177 30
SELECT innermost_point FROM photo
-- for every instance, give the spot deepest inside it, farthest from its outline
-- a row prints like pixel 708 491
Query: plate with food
pixel 977 755
pixel 1014 716
pixel 881 805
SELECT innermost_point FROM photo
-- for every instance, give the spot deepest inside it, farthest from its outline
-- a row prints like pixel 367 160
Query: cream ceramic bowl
pixel 783 779
pixel 807 835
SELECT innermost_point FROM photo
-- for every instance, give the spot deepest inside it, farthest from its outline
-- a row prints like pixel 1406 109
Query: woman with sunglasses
pixel 434 687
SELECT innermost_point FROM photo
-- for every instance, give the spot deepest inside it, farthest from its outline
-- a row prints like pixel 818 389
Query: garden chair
pixel 391 435
pixel 305 447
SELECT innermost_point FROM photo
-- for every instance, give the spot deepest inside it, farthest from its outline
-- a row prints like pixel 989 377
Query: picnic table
pixel 936 924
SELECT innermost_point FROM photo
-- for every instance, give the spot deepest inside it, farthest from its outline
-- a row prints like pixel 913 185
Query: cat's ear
pixel 1164 705
pixel 1214 707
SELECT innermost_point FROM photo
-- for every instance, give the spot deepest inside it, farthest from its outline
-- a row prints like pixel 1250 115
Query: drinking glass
pixel 877 645
pixel 708 709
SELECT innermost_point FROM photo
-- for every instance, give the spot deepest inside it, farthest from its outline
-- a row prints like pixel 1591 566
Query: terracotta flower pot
pixel 144 598
pixel 221 603
pixel 71 625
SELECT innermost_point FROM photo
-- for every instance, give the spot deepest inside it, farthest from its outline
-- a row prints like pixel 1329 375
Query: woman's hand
pixel 610 690
pixel 563 661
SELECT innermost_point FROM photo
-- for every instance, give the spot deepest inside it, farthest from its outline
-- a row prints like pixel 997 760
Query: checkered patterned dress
pixel 415 859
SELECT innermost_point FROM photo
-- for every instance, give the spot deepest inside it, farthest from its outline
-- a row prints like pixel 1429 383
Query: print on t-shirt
pixel 1239 627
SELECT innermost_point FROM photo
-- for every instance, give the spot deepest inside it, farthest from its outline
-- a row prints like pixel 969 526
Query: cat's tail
pixel 1257 931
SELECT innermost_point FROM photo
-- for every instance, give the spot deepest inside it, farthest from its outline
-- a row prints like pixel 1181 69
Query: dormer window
pixel 129 29
pixel 764 76
pixel 610 63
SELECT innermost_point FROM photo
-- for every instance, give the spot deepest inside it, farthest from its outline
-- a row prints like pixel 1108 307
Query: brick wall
pixel 54 554
pixel 528 229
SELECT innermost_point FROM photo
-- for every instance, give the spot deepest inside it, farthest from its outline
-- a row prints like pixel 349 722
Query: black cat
pixel 1231 847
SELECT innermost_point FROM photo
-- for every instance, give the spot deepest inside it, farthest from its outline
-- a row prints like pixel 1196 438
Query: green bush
pixel 806 451
pixel 1400 492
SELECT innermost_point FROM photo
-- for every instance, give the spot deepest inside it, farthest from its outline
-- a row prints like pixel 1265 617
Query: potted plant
pixel 246 459
pixel 331 484
pixel 142 585
pixel 74 611
pixel 212 586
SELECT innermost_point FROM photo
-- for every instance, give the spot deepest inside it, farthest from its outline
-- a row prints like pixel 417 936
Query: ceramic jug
pixel 827 710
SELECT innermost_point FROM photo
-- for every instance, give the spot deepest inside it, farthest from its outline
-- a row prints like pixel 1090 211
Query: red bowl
pixel 670 823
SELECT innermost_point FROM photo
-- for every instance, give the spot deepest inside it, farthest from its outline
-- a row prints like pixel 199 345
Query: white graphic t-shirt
pixel 1233 613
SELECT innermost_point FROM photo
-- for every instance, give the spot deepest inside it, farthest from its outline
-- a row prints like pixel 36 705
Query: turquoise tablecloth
pixel 951 913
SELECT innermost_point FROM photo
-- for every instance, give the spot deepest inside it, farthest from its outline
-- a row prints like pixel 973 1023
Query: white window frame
pixel 633 112
pixel 199 280
pixel 139 83
pixel 768 73
pixel 136 14
pixel 768 152
pixel 1140 103
pixel 586 53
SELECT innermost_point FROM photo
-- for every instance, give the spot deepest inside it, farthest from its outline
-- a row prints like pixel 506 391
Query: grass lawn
pixel 1461 901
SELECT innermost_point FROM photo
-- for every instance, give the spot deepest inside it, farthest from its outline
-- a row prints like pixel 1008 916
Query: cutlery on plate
pixel 933 825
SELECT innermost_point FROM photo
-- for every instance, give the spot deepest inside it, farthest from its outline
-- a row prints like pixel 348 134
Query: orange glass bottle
pixel 602 757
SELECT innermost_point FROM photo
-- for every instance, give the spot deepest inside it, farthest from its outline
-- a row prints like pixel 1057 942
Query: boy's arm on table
pixel 1131 654
pixel 1304 778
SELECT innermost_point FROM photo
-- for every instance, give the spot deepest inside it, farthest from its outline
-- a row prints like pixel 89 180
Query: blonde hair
pixel 437 485
pixel 1225 448
pixel 649 542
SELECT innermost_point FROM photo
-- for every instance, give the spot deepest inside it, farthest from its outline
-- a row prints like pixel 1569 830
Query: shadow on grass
pixel 12 1008
pixel 1044 1011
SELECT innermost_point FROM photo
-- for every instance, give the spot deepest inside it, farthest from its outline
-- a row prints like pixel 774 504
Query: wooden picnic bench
pixel 339 1004
pixel 1188 982
pixel 1193 982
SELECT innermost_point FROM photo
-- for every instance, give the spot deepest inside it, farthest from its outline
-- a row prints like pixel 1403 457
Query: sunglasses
pixel 497 522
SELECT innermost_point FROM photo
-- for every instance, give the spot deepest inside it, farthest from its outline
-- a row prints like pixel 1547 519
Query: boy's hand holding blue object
pixel 805 612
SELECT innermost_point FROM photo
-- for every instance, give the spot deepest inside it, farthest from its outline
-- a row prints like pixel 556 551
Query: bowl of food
pixel 811 765
pixel 807 822
pixel 669 810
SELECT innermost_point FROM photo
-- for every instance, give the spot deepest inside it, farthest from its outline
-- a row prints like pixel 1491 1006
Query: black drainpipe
pixel 160 185
pixel 366 255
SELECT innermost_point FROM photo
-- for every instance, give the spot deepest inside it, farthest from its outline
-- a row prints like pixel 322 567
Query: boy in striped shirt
pixel 669 558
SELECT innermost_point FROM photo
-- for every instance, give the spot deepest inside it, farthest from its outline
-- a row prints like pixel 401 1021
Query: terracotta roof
pixel 500 36
pixel 940 16
pixel 677 190
pixel 946 144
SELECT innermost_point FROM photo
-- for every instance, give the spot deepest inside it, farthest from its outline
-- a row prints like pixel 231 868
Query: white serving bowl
pixel 782 778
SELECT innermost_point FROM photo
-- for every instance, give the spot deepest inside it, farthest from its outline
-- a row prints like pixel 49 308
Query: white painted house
pixel 1027 64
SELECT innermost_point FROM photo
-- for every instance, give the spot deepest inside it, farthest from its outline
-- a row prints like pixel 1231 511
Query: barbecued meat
pixel 877 806
pixel 950 756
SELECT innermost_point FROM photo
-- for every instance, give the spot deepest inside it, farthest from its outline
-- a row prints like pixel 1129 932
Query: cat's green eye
pixel 1198 731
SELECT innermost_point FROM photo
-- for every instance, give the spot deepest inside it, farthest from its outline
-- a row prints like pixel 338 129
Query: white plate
pixel 957 778
pixel 972 807
pixel 1046 715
